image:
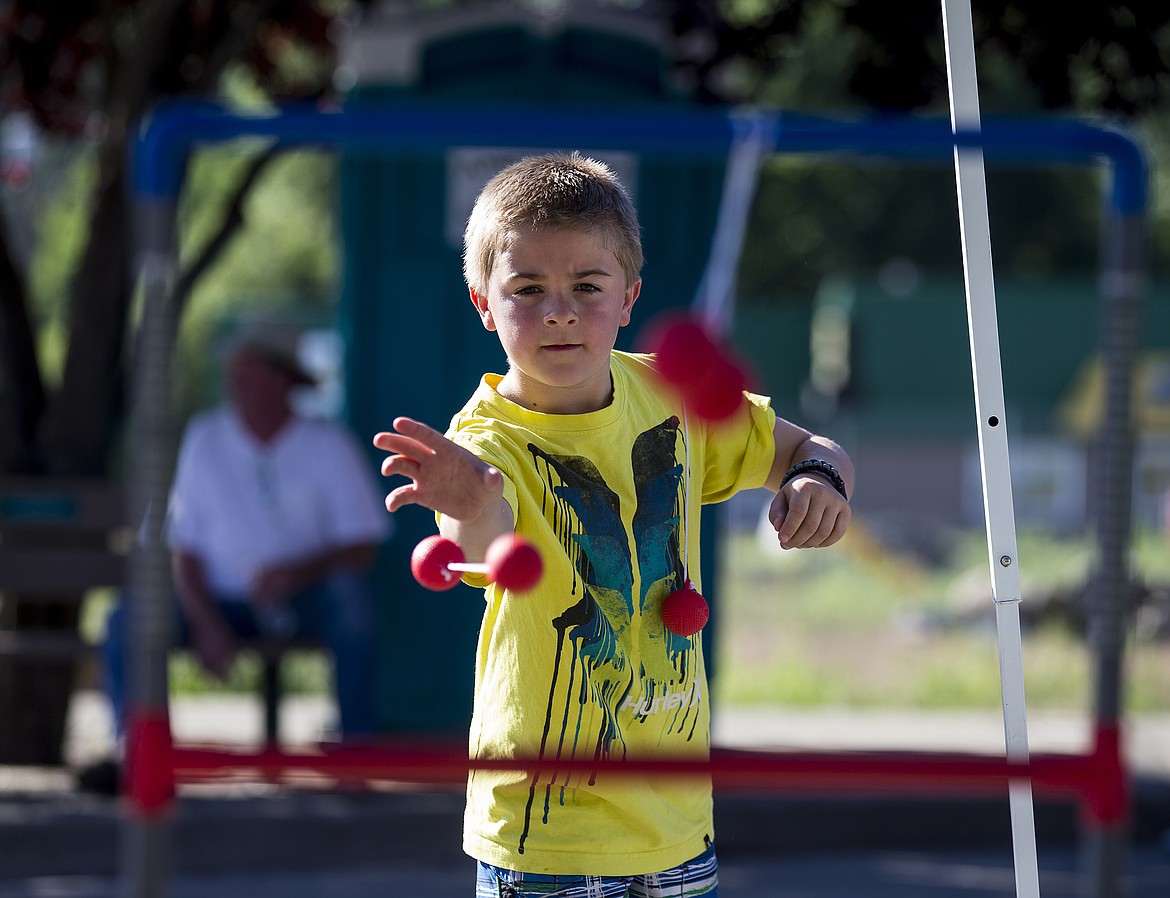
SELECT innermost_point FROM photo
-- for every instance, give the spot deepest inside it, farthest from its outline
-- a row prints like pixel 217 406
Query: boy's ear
pixel 481 305
pixel 632 293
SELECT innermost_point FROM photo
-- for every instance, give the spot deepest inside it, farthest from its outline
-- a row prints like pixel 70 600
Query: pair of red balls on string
pixel 514 564
pixel 511 561
pixel 710 382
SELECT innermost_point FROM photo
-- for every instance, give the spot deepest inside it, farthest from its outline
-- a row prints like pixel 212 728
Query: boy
pixel 577 449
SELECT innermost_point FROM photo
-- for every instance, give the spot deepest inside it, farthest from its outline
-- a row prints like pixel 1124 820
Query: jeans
pixel 697 877
pixel 338 611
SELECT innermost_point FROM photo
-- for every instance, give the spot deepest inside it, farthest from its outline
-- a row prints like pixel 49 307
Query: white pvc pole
pixel 975 233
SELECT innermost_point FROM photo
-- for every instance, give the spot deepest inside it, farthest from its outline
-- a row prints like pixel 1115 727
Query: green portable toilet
pixel 415 345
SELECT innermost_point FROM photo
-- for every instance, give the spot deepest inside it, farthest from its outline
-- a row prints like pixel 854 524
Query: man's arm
pixel 211 638
pixel 279 582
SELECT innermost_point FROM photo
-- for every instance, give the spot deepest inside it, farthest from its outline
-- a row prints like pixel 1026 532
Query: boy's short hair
pixel 549 192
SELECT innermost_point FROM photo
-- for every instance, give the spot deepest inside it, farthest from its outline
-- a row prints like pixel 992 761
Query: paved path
pixel 236 720
pixel 852 875
pixel 249 841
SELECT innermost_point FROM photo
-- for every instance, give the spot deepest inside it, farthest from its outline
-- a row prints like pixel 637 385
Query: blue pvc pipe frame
pixel 170 133
pixel 173 130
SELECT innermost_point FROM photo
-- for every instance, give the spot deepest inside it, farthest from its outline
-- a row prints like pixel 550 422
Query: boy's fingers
pixel 415 440
pixel 840 525
pixel 399 465
pixel 400 496
pixel 403 445
pixel 420 432
pixel 792 517
pixel 813 528
pixel 801 529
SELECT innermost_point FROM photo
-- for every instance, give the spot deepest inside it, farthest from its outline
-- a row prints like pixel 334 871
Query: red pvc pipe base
pixel 150 772
pixel 1099 779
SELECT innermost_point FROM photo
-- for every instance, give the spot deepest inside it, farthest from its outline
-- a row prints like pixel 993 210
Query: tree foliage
pixel 86 71
pixel 815 218
pixel 90 70
pixel 1100 57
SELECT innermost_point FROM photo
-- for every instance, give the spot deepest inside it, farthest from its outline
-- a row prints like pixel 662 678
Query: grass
pixel 858 626
pixel 301 672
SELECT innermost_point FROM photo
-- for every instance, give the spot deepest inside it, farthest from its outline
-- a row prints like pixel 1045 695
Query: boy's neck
pixel 552 400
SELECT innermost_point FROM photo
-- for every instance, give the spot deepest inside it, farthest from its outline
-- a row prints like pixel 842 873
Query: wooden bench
pixel 60 538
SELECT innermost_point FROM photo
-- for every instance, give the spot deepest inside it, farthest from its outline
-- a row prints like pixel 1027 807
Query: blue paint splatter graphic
pixel 620 655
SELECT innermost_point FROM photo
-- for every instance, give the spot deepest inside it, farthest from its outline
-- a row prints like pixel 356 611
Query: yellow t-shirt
pixel 582 667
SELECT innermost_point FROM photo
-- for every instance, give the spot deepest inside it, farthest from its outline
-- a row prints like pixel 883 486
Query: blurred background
pixel 849 308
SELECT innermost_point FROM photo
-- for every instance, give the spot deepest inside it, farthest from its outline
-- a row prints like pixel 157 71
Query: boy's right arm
pixel 445 477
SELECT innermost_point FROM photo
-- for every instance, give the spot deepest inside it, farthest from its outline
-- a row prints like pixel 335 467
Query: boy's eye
pixel 588 288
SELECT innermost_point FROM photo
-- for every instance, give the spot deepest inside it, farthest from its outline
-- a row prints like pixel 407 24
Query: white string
pixel 714 302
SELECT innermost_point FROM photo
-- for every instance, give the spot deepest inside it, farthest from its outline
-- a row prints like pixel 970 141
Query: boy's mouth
pixel 561 347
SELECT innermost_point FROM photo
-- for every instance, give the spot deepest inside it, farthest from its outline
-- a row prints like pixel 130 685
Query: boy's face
pixel 557 299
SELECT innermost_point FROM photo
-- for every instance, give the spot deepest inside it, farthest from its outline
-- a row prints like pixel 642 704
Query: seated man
pixel 274 523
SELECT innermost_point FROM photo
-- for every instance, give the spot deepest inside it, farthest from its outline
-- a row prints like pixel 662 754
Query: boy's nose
pixel 560 311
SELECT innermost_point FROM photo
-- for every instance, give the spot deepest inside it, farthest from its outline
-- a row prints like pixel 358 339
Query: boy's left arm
pixel 809 509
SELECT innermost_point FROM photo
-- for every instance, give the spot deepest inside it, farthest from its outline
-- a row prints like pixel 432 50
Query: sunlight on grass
pixel 301 673
pixel 858 626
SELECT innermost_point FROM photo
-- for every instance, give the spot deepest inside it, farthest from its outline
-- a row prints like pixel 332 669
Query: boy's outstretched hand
pixel 808 513
pixel 445 477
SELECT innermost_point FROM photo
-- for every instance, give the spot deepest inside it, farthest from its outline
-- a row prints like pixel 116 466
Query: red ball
pixel 704 372
pixel 429 560
pixel 720 394
pixel 513 563
pixel 682 352
pixel 684 611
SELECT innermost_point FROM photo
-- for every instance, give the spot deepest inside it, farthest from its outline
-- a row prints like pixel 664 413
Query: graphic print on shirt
pixel 621 660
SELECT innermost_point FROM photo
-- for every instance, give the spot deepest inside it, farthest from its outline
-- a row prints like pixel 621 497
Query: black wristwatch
pixel 820 467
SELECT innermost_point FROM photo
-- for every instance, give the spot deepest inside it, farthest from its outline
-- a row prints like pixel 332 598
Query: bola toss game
pixel 510 561
pixel 693 361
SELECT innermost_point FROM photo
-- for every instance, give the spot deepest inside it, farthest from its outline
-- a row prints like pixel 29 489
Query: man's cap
pixel 273 339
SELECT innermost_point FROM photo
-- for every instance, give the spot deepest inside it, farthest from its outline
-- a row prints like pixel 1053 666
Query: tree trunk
pixel 83 417
pixel 72 433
